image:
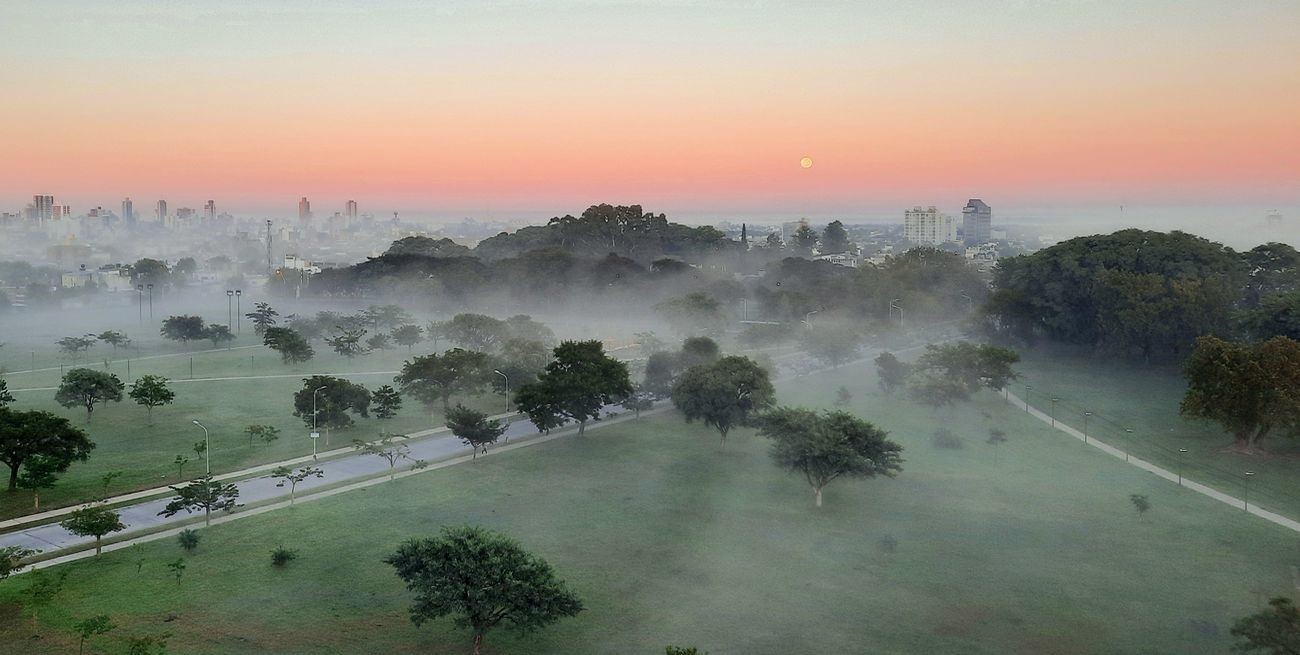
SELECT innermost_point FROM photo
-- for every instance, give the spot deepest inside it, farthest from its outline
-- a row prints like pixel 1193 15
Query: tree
pixel 11 559
pixel 205 494
pixel 1140 503
pixel 1274 631
pixel 39 473
pixel 828 445
pixel 263 318
pixel 84 387
pixel 484 579
pixel 151 391
pixel 832 343
pixel 893 373
pixel 723 394
pixel 5 396
pixel 386 402
pixel 1250 389
pixel 184 328
pixel 435 377
pixel 188 539
pixel 804 240
pixel 347 342
pixel 218 335
pixel 408 335
pixel 639 401
pixel 180 463
pixel 93 521
pixel 937 391
pixel 675 650
pixel 387 448
pixel 41 591
pixel 660 370
pixel 580 381
pixel 694 313
pixel 473 428
pixel 150 271
pixel 293 348
pixel 33 433
pixel 293 478
pixel 267 433
pixel 843 397
pixel 92 627
pixel 114 338
pixel 476 332
pixel 379 341
pixel 697 351
pixel 835 239
pixel 332 403
pixel 970 365
pixel 75 345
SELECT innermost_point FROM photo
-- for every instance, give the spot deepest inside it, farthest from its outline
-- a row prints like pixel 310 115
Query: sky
pixel 697 109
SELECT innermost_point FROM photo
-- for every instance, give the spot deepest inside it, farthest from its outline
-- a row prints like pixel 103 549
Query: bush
pixel 944 438
pixel 189 539
pixel 889 544
pixel 282 556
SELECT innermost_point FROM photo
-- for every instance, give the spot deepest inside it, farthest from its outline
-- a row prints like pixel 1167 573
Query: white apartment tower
pixel 928 226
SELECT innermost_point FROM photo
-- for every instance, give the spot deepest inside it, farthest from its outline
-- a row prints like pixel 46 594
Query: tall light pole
pixel 507 379
pixel 1085 426
pixel 139 301
pixel 893 305
pixel 1128 437
pixel 230 312
pixel 239 311
pixel 1054 399
pixel 315 435
pixel 207 449
pixel 150 288
pixel 1181 452
pixel 807 318
pixel 1245 507
pixel 970 302
pixel 1027 390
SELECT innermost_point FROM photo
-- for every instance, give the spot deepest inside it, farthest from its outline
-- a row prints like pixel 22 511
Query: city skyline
pixel 501 109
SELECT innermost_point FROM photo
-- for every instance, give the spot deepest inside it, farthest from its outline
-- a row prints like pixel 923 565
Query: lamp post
pixel 150 288
pixel 207 450
pixel 1128 438
pixel 893 305
pixel 1181 452
pixel 1086 414
pixel 230 312
pixel 507 379
pixel 807 318
pixel 315 435
pixel 970 302
pixel 1027 390
pixel 139 301
pixel 239 312
pixel 1245 507
pixel 1054 399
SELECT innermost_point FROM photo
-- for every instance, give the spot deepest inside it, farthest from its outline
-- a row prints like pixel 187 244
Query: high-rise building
pixel 928 226
pixel 304 209
pixel 128 211
pixel 209 211
pixel 160 212
pixel 44 208
pixel 350 210
pixel 976 222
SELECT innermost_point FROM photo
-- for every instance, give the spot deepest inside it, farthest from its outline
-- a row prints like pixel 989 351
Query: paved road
pixel 144 516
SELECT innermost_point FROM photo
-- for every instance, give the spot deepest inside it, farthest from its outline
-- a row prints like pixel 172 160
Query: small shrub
pixel 678 650
pixel 843 397
pixel 996 436
pixel 889 544
pixel 1140 503
pixel 281 556
pixel 189 539
pixel 944 438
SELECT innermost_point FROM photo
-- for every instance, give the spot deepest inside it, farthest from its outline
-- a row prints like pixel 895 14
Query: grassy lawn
pixel 144 454
pixel 1028 547
pixel 1146 400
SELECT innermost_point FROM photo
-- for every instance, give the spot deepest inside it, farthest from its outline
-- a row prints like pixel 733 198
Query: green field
pixel 1033 548
pixel 1146 399
pixel 144 454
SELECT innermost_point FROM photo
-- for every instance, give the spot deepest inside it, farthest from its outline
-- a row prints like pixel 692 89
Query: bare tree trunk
pixel 98 544
pixel 478 644
pixel 818 493
pixel 582 427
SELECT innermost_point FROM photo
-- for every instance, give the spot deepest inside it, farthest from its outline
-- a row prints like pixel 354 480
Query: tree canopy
pixel 332 404
pixel 84 387
pixel 432 378
pixel 25 434
pixel 723 394
pixel 1252 389
pixel 575 386
pixel 826 446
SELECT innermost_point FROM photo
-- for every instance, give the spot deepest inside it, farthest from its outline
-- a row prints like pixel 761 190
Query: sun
pixel 806 162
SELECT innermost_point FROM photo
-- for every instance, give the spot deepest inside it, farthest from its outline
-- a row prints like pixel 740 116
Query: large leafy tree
pixel 263 317
pixel 723 394
pixel 484 579
pixel 332 404
pixel 5 396
pixel 476 332
pixel 576 385
pixel 521 361
pixel 347 341
pixel 293 348
pixel 804 240
pixel 696 351
pixel 826 446
pixel 151 391
pixel 892 372
pixel 84 387
pixel 433 378
pixel 114 338
pixel 832 343
pixel 835 239
pixel 1273 631
pixel 26 434
pixel 408 335
pixel 386 402
pixel 94 520
pixel 184 328
pixel 76 345
pixel 696 313
pixel 660 371
pixel 218 334
pixel 205 494
pixel 970 365
pixel 39 472
pixel 474 428
pixel 1253 390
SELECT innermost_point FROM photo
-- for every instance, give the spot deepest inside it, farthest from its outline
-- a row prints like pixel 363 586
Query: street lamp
pixel 1246 501
pixel 139 301
pixel 230 312
pixel 970 303
pixel 1054 399
pixel 1128 437
pixel 807 318
pixel 893 305
pixel 1027 390
pixel 207 450
pixel 315 435
pixel 507 379
pixel 1085 426
pixel 150 288
pixel 1181 452
pixel 239 315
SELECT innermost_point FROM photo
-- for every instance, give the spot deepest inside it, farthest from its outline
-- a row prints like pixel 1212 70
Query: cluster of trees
pixel 948 373
pixel 186 328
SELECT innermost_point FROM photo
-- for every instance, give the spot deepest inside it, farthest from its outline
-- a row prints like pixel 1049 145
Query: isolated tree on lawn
pixel 1250 389
pixel 697 351
pixel 828 445
pixel 389 447
pixel 474 428
pixel 42 588
pixel 75 345
pixel 263 317
pixel 936 390
pixel 580 381
pixel 267 433
pixel 151 391
pixel 206 494
pixel 293 348
pixel 34 433
pixel 11 559
pixel 832 343
pixel 723 394
pixel 5 397
pixel 660 370
pixel 219 335
pixel 92 627
pixel 433 378
pixel 93 521
pixel 114 338
pixel 347 342
pixel 385 402
pixel 892 372
pixel 408 335
pixel 476 332
pixel 184 328
pixel 639 401
pixel 39 472
pixel 332 404
pixel 971 365
pixel 84 387
pixel 1274 631
pixel 293 478
pixel 484 579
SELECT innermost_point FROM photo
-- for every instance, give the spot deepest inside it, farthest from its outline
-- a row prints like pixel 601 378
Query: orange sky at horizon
pixel 1047 105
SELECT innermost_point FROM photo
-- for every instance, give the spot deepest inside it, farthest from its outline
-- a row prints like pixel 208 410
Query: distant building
pixel 304 209
pixel 160 211
pixel 840 258
pixel 350 210
pixel 44 208
pixel 209 211
pixel 976 222
pixel 928 226
pixel 128 211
